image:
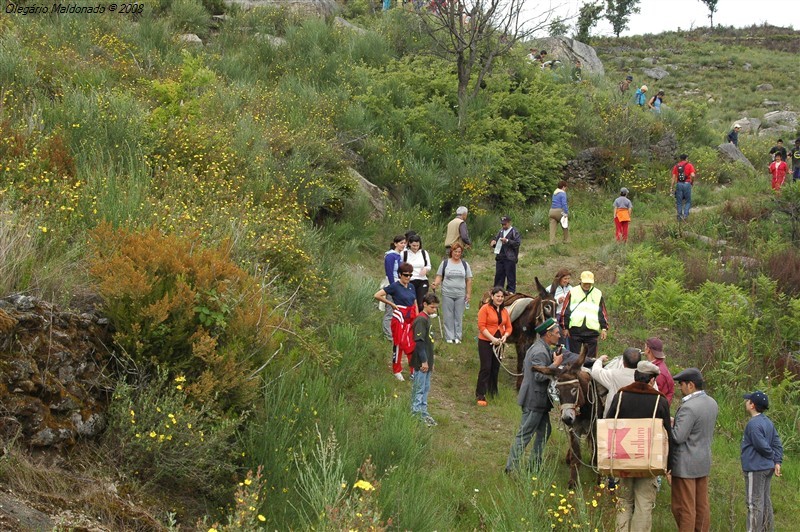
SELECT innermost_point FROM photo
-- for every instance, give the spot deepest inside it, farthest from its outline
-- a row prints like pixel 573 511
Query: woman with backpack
pixel 455 277
pixel 421 261
pixel 654 104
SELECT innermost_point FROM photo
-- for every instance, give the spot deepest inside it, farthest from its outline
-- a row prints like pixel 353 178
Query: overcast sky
pixel 668 15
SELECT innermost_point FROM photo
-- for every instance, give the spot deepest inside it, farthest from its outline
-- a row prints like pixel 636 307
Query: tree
pixel 618 13
pixel 473 34
pixel 557 27
pixel 588 16
pixel 712 8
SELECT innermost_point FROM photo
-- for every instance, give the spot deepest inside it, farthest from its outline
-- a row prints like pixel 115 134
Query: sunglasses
pixel 405 275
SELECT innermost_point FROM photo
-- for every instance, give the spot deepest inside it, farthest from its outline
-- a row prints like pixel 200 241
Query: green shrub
pixel 190 16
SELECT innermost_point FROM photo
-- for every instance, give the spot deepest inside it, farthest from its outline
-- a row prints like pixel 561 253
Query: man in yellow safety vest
pixel 584 317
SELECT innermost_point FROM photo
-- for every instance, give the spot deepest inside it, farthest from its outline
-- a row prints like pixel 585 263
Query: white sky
pixel 668 15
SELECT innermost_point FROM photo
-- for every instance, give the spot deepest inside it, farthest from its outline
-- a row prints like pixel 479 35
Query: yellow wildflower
pixel 364 485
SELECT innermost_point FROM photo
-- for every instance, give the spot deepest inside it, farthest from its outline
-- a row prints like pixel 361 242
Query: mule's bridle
pixel 577 404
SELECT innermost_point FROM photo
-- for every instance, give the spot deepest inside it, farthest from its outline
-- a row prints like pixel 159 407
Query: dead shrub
pixel 784 267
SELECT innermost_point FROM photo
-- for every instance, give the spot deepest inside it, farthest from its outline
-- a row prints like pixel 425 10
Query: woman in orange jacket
pixel 494 327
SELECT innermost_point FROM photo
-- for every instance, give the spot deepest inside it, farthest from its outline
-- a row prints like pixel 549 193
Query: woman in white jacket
pixel 421 261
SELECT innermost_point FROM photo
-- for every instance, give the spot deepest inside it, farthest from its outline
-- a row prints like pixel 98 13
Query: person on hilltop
pixel 654 103
pixel 794 155
pixel 506 254
pixel 422 359
pixel 403 303
pixel 584 316
pixel 640 96
pixel 457 231
pixel 638 400
pixel 455 277
pixel 421 261
pixel 733 135
pixel 778 170
pixel 391 263
pixel 683 175
pixel 654 352
pixel 625 84
pixel 534 399
pixel 622 215
pixel 494 328
pixel 762 455
pixel 690 453
pixel 559 212
pixel 778 148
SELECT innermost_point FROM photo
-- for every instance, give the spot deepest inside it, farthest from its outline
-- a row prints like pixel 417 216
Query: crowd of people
pixel 639 382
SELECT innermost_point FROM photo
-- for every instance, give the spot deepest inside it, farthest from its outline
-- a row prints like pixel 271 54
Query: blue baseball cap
pixel 759 399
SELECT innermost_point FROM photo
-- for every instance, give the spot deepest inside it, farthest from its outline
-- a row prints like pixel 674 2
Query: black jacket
pixel 510 250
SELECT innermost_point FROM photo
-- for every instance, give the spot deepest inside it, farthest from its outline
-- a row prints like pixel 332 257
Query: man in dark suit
pixel 506 254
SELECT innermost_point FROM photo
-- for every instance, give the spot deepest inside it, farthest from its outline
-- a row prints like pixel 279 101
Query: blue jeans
pixel 535 424
pixel 683 199
pixel 387 4
pixel 419 392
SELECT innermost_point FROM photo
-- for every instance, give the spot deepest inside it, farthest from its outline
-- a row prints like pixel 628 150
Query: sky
pixel 668 15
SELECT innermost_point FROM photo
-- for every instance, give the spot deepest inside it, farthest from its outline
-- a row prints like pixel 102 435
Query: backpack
pixel 424 257
pixel 444 268
pixel 681 173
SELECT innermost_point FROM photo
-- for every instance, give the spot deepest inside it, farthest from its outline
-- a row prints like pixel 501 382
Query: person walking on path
pixel 733 135
pixel 622 215
pixel 534 399
pixel 391 262
pixel 559 212
pixel 778 170
pixel 654 352
pixel 494 328
pixel 584 316
pixel 455 277
pixel 422 359
pixel 654 103
pixel 457 231
pixel 421 261
pixel 779 148
pixel 683 175
pixel 640 97
pixel 506 254
pixel 625 84
pixel 794 155
pixel 690 455
pixel 403 303
pixel 638 400
pixel 762 455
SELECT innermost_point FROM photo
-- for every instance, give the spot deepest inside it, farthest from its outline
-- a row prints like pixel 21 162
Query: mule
pixel 526 318
pixel 581 404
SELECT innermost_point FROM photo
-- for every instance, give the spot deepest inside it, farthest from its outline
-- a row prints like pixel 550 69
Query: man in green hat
pixel 533 397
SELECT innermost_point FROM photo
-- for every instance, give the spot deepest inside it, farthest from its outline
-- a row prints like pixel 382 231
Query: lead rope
pixel 592 422
pixel 498 351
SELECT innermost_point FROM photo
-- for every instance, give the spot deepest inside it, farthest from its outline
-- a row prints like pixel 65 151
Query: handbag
pixel 564 221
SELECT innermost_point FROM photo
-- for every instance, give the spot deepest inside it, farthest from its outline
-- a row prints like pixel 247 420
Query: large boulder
pixel 568 50
pixel 655 73
pixel 376 196
pixel 730 152
pixel 781 118
pixel 666 149
pixel 323 8
pixel 749 125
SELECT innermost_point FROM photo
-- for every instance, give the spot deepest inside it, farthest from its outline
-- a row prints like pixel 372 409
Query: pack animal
pixel 581 403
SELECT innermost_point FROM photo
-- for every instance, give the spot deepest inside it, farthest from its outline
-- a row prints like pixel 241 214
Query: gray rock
pixel 764 87
pixel 23 303
pixel 655 73
pixel 322 8
pixel 787 118
pixel 749 125
pixel 47 437
pixel 190 38
pixel 23 515
pixel 91 427
pixel 568 50
pixel 276 42
pixel 770 103
pixel 376 196
pixel 342 23
pixel 731 153
pixel 775 131
pixel 666 150
pixel 747 67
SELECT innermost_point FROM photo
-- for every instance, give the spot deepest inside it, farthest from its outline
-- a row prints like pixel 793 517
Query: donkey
pixel 581 404
pixel 526 313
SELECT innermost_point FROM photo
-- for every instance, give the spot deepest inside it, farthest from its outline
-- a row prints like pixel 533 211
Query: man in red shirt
pixel 654 351
pixel 682 181
pixel 778 170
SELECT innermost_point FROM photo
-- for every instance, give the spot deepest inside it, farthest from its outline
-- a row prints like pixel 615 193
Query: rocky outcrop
pixel 666 149
pixel 324 8
pixel 655 73
pixel 780 118
pixel 749 125
pixel 190 38
pixel 53 384
pixel 342 23
pixel 568 50
pixel 731 153
pixel 764 87
pixel 376 196
pixel 586 165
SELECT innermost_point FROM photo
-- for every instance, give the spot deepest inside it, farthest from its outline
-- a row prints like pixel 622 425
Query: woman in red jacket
pixel 494 326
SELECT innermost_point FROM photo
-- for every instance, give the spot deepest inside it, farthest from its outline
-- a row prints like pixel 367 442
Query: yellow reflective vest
pixel 584 308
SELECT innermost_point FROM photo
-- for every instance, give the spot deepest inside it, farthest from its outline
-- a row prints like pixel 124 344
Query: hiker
pixel 584 316
pixel 640 97
pixel 733 136
pixel 778 148
pixel 506 253
pixel 391 262
pixel 794 155
pixel 533 56
pixel 559 213
pixel 762 455
pixel 625 84
pixel 542 56
pixel 577 72
pixel 654 104
pixel 533 397
pixel 639 400
pixel 778 169
pixel 494 328
pixel 683 175
pixel 422 359
pixel 622 215
pixel 457 231
pixel 559 289
pixel 654 352
pixel 403 303
pixel 421 261
pixel 614 378
pixel 690 453
pixel 455 277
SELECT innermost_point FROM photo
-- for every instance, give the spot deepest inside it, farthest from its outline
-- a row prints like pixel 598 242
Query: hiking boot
pixel 451 341
pixel 429 421
pixel 399 376
pixel 456 341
